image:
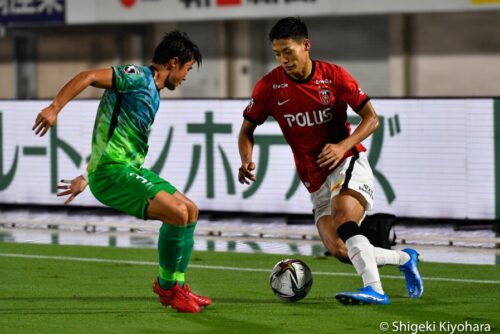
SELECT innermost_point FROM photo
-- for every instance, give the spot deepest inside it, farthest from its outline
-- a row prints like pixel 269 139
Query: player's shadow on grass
pixel 274 300
pixel 235 300
pixel 79 298
pixel 64 305
pixel 213 324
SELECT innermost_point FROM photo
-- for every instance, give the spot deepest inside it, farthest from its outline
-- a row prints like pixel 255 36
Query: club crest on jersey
pixel 324 96
pixel 130 69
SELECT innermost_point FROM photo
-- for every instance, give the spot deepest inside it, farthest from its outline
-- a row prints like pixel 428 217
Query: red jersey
pixel 310 112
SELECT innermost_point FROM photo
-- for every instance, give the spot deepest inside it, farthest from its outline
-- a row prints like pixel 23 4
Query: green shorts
pixel 127 189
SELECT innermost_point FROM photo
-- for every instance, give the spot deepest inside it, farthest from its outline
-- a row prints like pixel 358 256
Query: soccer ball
pixel 291 280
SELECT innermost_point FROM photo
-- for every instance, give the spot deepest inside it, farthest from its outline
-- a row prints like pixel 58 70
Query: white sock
pixel 360 252
pixel 387 256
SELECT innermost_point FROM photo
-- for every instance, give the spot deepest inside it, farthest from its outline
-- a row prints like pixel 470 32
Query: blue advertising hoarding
pixel 29 12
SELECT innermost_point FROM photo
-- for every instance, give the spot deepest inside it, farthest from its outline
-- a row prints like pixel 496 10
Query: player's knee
pixel 180 215
pixel 339 215
pixel 347 207
pixel 193 212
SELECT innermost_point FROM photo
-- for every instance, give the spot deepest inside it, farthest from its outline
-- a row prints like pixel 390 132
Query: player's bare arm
pixel 245 145
pixel 100 78
pixel 332 154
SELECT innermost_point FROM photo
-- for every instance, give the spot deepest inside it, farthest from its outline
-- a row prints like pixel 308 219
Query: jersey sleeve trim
pixel 251 120
pixel 362 104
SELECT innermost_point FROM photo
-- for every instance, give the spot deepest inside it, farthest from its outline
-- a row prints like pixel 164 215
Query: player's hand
pixel 72 188
pixel 45 120
pixel 330 156
pixel 245 174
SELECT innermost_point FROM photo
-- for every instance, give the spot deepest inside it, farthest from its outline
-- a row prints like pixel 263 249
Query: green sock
pixel 186 253
pixel 170 252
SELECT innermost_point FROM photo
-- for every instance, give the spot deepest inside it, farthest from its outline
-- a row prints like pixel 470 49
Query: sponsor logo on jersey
pixel 280 103
pixel 280 86
pixel 324 96
pixel 249 106
pixel 337 186
pixel 366 189
pixel 323 81
pixel 309 118
pixel 130 69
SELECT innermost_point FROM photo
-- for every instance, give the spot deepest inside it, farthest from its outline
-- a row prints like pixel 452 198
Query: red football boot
pixel 165 295
pixel 176 297
pixel 200 300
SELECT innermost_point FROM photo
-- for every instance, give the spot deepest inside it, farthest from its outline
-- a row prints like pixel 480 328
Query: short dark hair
pixel 289 27
pixel 176 44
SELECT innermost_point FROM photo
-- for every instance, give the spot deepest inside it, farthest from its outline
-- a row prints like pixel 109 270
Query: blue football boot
pixel 414 282
pixel 364 296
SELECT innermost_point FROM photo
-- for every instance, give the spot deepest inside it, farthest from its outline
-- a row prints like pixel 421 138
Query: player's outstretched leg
pixel 414 282
pixel 360 252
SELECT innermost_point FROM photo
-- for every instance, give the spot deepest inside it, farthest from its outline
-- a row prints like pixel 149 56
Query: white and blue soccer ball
pixel 291 280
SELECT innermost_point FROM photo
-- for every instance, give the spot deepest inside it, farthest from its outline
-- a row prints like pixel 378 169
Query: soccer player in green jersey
pixel 119 145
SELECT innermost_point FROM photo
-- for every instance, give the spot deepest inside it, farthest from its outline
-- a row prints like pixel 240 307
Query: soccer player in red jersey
pixel 309 99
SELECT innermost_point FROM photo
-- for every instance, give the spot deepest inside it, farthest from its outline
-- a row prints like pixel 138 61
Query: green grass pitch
pixel 78 289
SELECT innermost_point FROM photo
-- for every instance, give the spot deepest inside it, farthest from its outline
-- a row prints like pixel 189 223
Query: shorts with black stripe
pixel 354 173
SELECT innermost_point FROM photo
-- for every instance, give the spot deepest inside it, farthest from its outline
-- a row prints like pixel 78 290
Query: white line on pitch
pixel 146 263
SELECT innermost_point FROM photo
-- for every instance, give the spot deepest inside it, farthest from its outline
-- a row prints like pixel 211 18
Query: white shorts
pixel 354 173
